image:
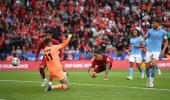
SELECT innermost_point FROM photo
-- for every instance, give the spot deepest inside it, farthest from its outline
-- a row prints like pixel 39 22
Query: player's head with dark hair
pixel 47 42
pixel 45 35
pixel 156 20
pixel 156 23
pixel 135 32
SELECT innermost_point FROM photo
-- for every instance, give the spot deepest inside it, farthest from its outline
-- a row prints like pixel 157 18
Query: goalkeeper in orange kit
pixel 51 54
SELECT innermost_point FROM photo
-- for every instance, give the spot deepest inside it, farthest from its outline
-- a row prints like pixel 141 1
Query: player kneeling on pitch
pixel 54 64
pixel 100 63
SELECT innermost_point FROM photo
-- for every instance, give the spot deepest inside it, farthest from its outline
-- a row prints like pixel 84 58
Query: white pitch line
pixel 98 85
pixel 20 81
pixel 159 89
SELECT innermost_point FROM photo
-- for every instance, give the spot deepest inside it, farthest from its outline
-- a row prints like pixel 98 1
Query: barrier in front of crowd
pixel 73 65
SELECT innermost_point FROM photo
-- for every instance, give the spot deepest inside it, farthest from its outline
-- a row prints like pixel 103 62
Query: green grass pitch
pixel 25 85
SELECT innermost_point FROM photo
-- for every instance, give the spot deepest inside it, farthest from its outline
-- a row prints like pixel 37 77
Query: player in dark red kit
pixel 43 64
pixel 100 63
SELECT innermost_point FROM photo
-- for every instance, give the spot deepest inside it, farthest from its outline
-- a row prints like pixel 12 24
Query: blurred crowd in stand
pixel 96 25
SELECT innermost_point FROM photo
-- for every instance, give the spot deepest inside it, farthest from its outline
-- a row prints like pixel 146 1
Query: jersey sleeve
pixel 145 42
pixel 141 41
pixel 58 47
pixel 108 59
pixel 93 63
pixel 147 34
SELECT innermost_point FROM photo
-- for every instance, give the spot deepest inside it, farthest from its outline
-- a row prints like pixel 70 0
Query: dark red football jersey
pixel 100 66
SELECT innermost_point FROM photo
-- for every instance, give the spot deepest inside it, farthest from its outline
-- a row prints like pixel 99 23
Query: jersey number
pixel 48 57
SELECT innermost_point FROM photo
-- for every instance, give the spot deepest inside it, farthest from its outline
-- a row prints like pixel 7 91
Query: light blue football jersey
pixel 154 39
pixel 135 41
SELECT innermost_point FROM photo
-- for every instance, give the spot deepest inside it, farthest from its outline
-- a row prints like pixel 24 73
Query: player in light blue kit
pixel 135 54
pixel 154 37
pixel 157 66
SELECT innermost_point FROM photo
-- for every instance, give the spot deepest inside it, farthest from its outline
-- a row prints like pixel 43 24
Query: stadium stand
pixel 95 24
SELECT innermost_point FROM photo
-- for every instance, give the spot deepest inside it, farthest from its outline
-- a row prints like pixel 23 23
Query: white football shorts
pixel 135 58
pixel 152 55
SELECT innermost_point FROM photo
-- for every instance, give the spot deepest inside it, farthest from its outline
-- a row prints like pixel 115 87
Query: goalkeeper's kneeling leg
pixel 60 86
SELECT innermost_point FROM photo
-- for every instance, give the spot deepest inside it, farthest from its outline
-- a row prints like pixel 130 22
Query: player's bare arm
pixel 165 46
pixel 91 72
pixel 65 43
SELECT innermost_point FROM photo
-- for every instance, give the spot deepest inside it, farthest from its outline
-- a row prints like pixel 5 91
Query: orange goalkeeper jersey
pixel 51 55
